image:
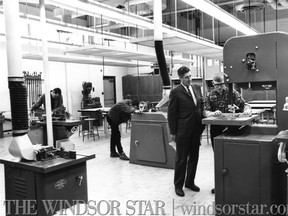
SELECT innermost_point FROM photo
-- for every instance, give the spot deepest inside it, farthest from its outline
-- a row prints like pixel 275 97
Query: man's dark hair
pixel 135 103
pixel 183 70
pixel 57 91
pixel 218 77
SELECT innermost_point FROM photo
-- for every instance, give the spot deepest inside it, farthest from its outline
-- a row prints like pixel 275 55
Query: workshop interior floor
pixel 135 188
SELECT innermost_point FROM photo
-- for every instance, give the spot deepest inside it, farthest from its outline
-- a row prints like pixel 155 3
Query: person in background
pixel 118 114
pixel 185 113
pixel 217 103
pixel 56 102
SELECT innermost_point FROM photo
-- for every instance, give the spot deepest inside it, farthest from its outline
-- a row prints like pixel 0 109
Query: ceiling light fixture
pixel 218 13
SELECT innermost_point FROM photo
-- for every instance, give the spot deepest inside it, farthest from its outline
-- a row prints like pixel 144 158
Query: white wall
pixel 135 70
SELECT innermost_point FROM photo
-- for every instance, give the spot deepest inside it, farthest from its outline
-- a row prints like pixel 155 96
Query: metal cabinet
pixel 149 144
pixel 44 187
pixel 143 88
pixel 247 172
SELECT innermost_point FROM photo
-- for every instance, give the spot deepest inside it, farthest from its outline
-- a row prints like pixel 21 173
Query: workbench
pixel 268 105
pixel 232 119
pixel 62 129
pixel 103 110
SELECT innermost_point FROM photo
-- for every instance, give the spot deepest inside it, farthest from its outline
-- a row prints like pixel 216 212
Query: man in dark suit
pixel 185 113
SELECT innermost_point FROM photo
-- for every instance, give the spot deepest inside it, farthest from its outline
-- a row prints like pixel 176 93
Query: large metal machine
pixel 88 101
pixel 247 171
pixel 150 140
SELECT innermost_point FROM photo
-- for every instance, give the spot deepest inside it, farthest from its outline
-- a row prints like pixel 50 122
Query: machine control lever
pixel 224 171
pixel 79 178
pixel 136 143
pixel 282 153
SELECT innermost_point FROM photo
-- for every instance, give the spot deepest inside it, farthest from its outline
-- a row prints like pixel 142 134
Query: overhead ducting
pixel 278 4
pixel 249 6
pixel 258 5
pixel 143 6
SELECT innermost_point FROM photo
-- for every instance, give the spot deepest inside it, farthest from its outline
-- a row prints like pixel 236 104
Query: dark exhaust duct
pixel 162 64
pixel 158 44
pixel 19 110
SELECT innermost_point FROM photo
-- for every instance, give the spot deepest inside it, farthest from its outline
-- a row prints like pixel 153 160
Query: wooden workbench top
pixel 45 166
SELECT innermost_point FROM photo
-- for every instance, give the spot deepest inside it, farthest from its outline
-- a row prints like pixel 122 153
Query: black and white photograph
pixel 143 107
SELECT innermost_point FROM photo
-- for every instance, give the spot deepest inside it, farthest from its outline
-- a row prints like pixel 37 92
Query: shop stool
pixel 91 129
pixel 80 127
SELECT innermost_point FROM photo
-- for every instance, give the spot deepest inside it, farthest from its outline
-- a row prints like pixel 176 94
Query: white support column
pixel 157 13
pixel 14 62
pixel 13 38
pixel 46 73
pixel 68 93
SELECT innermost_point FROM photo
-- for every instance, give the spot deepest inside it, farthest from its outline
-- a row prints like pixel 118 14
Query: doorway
pixel 109 91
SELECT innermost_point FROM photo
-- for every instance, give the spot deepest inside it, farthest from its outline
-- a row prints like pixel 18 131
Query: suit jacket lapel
pixel 185 90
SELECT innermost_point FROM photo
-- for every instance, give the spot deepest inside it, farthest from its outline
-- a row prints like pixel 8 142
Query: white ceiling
pixel 124 54
pixel 119 22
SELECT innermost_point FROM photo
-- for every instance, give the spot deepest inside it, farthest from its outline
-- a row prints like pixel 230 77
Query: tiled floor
pixel 135 188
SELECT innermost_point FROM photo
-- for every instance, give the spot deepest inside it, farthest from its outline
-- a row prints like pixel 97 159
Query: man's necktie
pixel 191 93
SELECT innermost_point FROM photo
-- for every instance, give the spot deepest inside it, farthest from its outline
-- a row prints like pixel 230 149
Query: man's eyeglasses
pixel 218 84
